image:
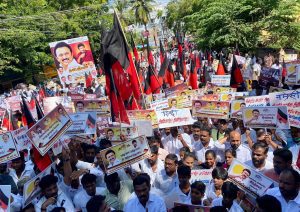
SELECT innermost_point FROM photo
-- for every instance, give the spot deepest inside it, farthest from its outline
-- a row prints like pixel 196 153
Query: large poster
pixel 173 118
pixel 266 117
pixel 100 106
pixel 269 75
pixel 73 59
pixel 48 130
pixel 8 148
pixel 237 108
pixel 257 101
pixel 212 109
pixel 124 154
pixel 180 102
pixel 143 115
pixel 83 123
pixel 291 99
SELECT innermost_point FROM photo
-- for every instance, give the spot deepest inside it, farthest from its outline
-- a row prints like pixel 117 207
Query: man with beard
pixel 151 165
pixel 144 200
pixel 166 180
pixel 282 160
pixel 288 191
pixel 259 156
pixel 52 196
pixel 243 153
pixel 88 182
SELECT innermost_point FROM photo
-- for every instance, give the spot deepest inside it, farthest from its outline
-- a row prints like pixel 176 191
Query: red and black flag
pixel 150 55
pixel 164 64
pixel 181 66
pixel 221 67
pixel 193 78
pixel 170 79
pixel 153 80
pixel 134 49
pixel 236 74
pixel 27 116
pixel 39 111
pixel 284 70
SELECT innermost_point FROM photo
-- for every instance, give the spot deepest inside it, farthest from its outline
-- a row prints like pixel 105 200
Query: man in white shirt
pixel 288 191
pixel 259 160
pixel 243 153
pixel 88 182
pixel 52 196
pixel 295 149
pixel 166 180
pixel 175 141
pixel 144 200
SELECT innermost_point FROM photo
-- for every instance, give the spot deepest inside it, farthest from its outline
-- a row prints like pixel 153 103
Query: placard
pixel 211 109
pixel 220 80
pixel 266 117
pixel 114 133
pixel 237 108
pixel 159 105
pixel 48 130
pixel 49 103
pixel 209 97
pixel 143 115
pixel 269 75
pixel 257 101
pixel 249 180
pixel 173 118
pixel 291 99
pixel 292 69
pixel 21 139
pixel 203 175
pixel 31 188
pixel 5 195
pixel 102 123
pixel 73 59
pixel 219 90
pixel 82 123
pixel 100 106
pixel 180 102
pixel 124 154
pixel 173 91
pixel 8 148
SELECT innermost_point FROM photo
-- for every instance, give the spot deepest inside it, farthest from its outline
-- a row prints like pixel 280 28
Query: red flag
pixel 149 52
pixel 88 80
pixel 153 80
pixel 236 74
pixel 163 66
pixel 135 52
pixel 42 94
pixel 7 121
pixel 193 74
pixel 284 71
pixel 181 66
pixel 221 68
pixel 170 76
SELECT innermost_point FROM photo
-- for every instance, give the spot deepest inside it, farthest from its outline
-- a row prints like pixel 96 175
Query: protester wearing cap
pixel 19 169
pixel 52 196
pixel 173 142
pixel 166 180
pixel 288 191
pixel 259 156
pixel 144 200
pixel 117 192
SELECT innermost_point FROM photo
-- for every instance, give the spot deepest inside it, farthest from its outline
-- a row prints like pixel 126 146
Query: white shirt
pixel 176 195
pixel 268 165
pixel 292 205
pixel 27 172
pixel 172 145
pixel 62 201
pixel 243 153
pixel 295 151
pixel 154 204
pixel 81 198
pixel 234 208
pixel 200 150
pixel 165 183
pixel 211 191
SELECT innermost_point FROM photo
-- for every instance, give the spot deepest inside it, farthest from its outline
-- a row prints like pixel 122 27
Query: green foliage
pixel 248 23
pixel 142 9
pixel 27 28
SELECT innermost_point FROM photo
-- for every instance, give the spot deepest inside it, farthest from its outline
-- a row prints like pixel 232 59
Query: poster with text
pixel 8 148
pixel 203 175
pixel 125 154
pixel 269 76
pixel 102 123
pixel 237 108
pixel 292 69
pixel 257 101
pixel 173 118
pixel 291 99
pixel 180 102
pixel 99 106
pixel 219 90
pixel 73 59
pixel 49 129
pixel 21 139
pixel 177 89
pixel 249 180
pixel 49 103
pixel 143 115
pixel 159 105
pixel 114 133
pixel 5 195
pixel 82 123
pixel 212 109
pixel 220 80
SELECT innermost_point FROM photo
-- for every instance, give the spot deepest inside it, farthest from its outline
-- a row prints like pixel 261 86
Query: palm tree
pixel 142 9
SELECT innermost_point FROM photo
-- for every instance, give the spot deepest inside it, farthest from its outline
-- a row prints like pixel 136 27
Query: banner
pixel 209 97
pixel 82 123
pixel 291 99
pixel 8 148
pixel 249 180
pixel 236 110
pixel 227 97
pixel 124 154
pixel 220 80
pixel 180 102
pixel 143 115
pixel 219 90
pixel 100 106
pixel 73 59
pixel 21 139
pixel 266 117
pixel 203 175
pixel 48 130
pixel 5 191
pixel 257 101
pixel 159 105
pixel 114 133
pixel 173 118
pixel 269 76
pixel 49 103
pixel 31 188
pixel 292 70
pixel 211 109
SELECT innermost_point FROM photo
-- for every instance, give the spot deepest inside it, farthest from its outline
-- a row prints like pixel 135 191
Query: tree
pixel 142 9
